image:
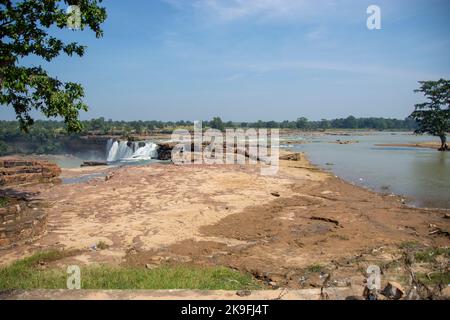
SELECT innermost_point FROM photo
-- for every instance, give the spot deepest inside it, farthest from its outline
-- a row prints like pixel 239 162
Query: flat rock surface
pixel 282 294
pixel 228 215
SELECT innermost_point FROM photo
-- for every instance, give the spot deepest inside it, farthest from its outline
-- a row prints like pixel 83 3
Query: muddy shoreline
pixel 425 145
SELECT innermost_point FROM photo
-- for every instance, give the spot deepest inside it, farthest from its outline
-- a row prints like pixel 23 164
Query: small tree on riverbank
pixel 433 116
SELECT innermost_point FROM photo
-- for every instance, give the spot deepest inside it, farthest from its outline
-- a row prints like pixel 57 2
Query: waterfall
pixel 130 151
pixel 111 150
pixel 109 145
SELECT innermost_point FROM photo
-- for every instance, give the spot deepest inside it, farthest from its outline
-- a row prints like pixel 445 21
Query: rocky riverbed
pixel 298 229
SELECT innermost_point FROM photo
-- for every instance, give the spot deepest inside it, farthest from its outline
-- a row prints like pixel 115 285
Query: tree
pixel 350 122
pixel 3 148
pixel 229 124
pixel 433 116
pixel 324 124
pixel 217 123
pixel 24 26
pixel 302 123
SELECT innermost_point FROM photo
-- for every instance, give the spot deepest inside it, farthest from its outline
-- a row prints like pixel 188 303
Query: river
pixel 421 175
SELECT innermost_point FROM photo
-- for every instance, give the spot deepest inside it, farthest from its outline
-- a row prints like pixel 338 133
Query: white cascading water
pixel 130 151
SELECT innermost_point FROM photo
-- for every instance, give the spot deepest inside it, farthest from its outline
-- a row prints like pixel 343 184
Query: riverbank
pixel 426 145
pixel 288 230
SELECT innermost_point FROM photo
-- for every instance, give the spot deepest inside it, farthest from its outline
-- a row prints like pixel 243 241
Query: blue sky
pixel 257 59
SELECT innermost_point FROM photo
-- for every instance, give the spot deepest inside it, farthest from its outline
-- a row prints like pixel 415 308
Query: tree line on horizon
pixel 102 126
pixel 303 123
pixel 44 134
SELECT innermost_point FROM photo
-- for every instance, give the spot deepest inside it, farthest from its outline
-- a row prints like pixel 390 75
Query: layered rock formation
pixel 17 171
pixel 21 221
pixel 22 218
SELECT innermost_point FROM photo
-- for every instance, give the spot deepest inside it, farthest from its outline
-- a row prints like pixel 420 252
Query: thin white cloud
pixel 230 10
pixel 340 67
pixel 317 34
pixel 234 77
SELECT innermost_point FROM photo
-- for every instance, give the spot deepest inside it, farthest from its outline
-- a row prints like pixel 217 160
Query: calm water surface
pixel 421 175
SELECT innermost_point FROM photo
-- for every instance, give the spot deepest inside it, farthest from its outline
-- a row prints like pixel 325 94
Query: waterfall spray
pixel 130 151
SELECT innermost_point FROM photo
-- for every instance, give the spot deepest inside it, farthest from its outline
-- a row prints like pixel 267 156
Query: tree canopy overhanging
pixel 24 31
pixel 433 116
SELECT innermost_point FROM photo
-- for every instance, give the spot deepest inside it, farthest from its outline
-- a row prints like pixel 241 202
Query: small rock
pixel 243 293
pixel 156 258
pixel 393 290
pixel 150 266
pixel 413 295
pixel 302 280
pixel 341 283
pixel 447 216
pixel 275 194
pixel 314 280
pixel 323 276
pixel 376 250
pixel 370 294
pixel 446 292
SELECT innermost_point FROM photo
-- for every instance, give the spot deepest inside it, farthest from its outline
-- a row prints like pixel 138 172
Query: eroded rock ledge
pixel 22 217
pixel 16 171
pixel 21 221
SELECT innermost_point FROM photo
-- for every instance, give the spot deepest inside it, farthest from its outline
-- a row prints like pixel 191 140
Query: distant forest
pixel 102 126
pixel 44 134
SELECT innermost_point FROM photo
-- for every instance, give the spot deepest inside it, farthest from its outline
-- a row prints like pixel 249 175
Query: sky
pixel 248 60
